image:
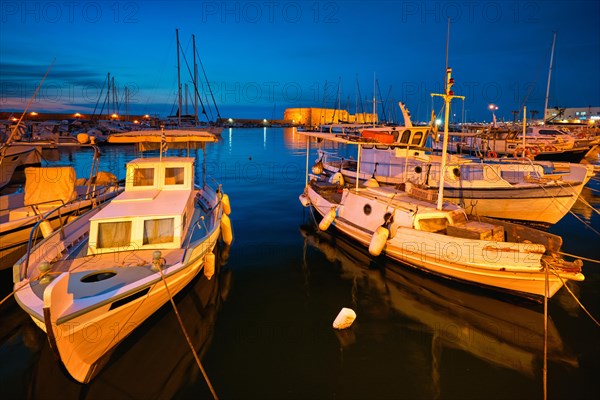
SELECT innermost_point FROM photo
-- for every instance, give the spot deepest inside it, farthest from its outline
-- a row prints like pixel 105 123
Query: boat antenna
pixel 549 75
pixel 14 130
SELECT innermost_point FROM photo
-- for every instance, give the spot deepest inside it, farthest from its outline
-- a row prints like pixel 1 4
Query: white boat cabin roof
pixel 152 212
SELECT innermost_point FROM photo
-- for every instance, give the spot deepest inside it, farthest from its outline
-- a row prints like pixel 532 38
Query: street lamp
pixel 493 108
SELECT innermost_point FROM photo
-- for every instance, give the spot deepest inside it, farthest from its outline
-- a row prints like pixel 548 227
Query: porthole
pixel 418 169
pixel 367 209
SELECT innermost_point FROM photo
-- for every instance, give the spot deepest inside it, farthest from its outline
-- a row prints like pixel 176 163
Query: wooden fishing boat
pixel 90 283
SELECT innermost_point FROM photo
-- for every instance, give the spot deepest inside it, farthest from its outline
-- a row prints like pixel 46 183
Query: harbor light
pixel 114 116
pixel 33 114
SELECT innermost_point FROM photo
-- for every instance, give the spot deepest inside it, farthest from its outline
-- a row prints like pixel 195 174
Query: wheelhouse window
pixel 405 137
pixel 174 176
pixel 158 231
pixel 113 234
pixel 143 177
pixel 417 138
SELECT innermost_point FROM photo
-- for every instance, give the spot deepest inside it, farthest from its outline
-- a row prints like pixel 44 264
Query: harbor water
pixel 262 326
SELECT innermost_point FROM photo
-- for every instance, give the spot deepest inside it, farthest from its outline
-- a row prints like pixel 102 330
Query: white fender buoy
pixel 226 204
pixel 209 265
pixel 372 183
pixel 378 240
pixel 46 228
pixel 83 138
pixel 344 319
pixel 304 200
pixel 327 219
pixel 226 230
pixel 337 179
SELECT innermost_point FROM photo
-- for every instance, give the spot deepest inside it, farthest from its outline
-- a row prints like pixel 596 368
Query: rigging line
pixel 27 107
pixel 187 338
pixel 208 85
pixel 195 87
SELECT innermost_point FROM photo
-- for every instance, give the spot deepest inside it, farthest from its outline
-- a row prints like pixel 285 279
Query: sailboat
pixel 112 268
pixel 416 227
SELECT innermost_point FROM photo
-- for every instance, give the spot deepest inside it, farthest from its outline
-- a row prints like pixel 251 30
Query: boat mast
pixel 549 75
pixel 448 96
pixel 178 81
pixel 195 80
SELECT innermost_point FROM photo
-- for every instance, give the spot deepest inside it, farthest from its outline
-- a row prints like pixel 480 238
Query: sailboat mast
pixel 195 80
pixel 178 81
pixel 549 76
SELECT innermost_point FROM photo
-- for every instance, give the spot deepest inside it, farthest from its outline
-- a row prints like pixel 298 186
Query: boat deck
pixel 128 267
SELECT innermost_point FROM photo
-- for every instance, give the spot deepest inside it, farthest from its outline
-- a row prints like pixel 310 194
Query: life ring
pixel 492 154
pixel 520 152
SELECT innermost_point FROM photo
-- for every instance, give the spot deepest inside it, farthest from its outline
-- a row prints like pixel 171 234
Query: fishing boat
pixel 53 194
pixel 416 227
pixel 541 192
pixel 92 282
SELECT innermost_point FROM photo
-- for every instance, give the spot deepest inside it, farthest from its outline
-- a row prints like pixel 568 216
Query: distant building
pixel 575 114
pixel 319 116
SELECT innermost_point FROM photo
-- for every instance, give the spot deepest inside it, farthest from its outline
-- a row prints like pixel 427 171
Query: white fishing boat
pixel 53 194
pixel 408 226
pixel 92 282
pixel 542 192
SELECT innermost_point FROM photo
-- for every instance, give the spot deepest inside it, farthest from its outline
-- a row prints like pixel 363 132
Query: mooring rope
pixel 554 271
pixel 576 256
pixel 187 338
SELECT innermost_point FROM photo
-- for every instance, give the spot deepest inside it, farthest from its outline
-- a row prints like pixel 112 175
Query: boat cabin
pixel 153 212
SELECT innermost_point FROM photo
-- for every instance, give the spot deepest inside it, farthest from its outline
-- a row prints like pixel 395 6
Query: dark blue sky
pixel 264 56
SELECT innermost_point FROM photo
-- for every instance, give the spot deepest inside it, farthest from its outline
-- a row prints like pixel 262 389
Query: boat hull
pixel 513 267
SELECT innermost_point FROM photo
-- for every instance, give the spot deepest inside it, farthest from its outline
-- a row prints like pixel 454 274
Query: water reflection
pixel 499 331
pixel 154 362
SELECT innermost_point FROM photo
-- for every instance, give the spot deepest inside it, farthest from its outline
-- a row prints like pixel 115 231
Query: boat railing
pixel 58 212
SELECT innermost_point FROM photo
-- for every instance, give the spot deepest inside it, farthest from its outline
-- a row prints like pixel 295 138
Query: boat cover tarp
pixel 49 184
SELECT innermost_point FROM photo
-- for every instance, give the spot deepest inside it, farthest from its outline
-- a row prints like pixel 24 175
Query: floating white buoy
pixel 209 265
pixel 46 228
pixel 378 240
pixel 83 138
pixel 337 179
pixel 372 183
pixel 344 319
pixel 327 220
pixel 226 230
pixel 304 200
pixel 226 204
